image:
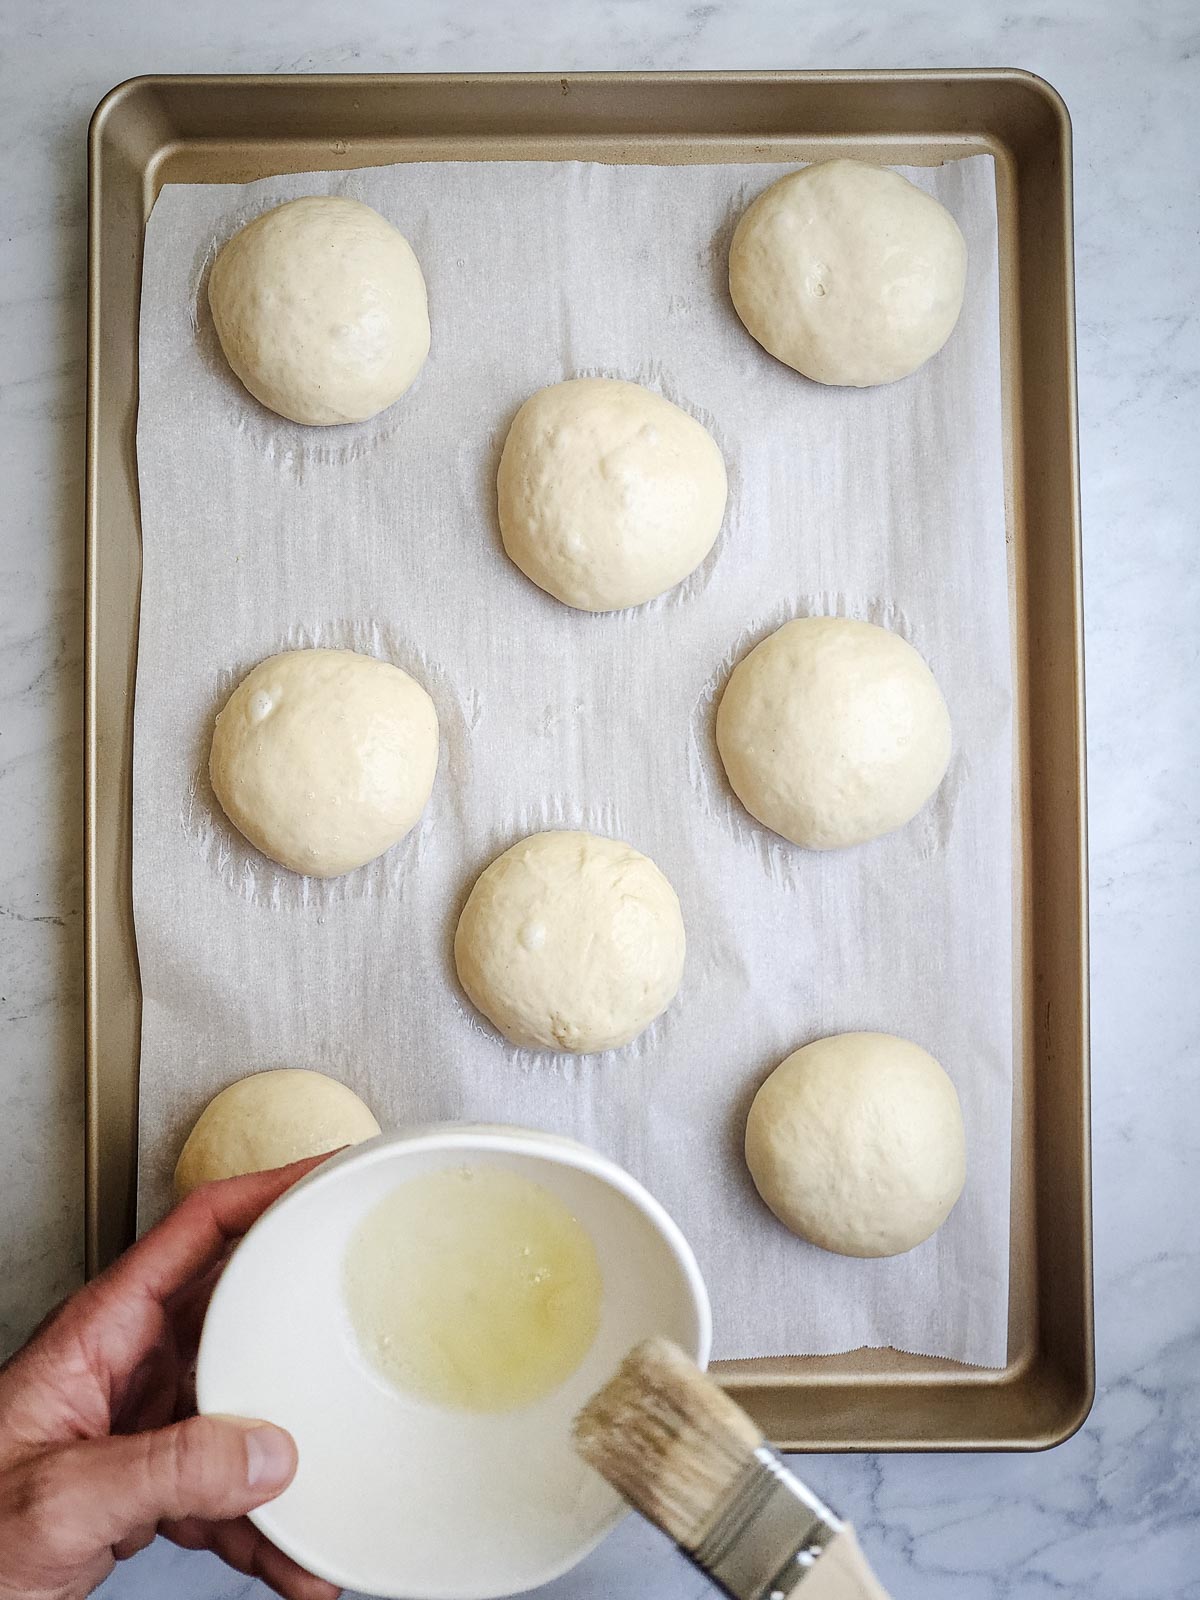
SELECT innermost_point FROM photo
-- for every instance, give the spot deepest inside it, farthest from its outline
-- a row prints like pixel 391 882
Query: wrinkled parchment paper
pixel 887 504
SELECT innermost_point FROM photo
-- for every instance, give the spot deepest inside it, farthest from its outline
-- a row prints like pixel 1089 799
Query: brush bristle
pixel 667 1439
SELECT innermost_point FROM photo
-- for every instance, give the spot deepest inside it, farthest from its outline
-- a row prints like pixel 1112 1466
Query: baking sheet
pixel 259 535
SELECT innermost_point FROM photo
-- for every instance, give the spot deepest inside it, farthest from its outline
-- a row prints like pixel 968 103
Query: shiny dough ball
pixel 608 494
pixel 856 1143
pixel 266 1121
pixel 321 311
pixel 570 942
pixel 848 272
pixel 324 759
pixel 833 732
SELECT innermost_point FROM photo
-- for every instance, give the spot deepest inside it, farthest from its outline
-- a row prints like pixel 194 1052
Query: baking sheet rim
pixel 748 1376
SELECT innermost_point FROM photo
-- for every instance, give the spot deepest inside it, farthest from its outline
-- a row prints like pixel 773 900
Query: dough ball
pixel 324 758
pixel 268 1120
pixel 833 732
pixel 320 309
pixel 856 1143
pixel 848 272
pixel 608 493
pixel 570 942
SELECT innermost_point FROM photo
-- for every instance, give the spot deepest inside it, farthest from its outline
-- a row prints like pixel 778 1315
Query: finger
pixel 113 1323
pixel 70 1381
pixel 210 1467
pixel 186 1313
pixel 130 1390
pixel 185 1393
pixel 188 1309
pixel 241 1546
pixel 152 1399
pixel 136 1396
pixel 192 1238
pixel 134 1541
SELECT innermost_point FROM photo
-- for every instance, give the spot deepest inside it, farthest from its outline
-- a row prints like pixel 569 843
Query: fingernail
pixel 270 1457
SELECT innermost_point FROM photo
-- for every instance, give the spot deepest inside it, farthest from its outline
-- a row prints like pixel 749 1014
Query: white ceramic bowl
pixel 393 1495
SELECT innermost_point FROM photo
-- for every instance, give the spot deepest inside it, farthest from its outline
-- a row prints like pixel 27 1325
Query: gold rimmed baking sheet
pixel 229 129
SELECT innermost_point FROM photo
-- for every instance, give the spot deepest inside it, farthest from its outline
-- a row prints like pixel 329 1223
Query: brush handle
pixel 840 1572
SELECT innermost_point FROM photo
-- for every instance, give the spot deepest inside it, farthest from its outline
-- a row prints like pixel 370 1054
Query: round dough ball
pixel 324 758
pixel 856 1143
pixel 570 942
pixel 833 732
pixel 321 311
pixel 608 493
pixel 848 272
pixel 266 1121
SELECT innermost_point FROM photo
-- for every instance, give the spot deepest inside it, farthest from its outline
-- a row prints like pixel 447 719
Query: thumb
pixel 213 1467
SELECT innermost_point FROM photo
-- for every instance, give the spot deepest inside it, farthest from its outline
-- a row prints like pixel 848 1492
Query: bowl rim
pixel 552 1148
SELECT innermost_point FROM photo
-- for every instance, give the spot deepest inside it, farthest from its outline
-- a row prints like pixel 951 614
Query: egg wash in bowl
pixel 386 1313
pixel 473 1287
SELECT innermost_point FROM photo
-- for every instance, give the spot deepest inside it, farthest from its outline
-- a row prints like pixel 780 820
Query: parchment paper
pixel 260 535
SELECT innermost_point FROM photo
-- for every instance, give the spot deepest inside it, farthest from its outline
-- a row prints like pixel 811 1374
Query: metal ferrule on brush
pixel 767 1534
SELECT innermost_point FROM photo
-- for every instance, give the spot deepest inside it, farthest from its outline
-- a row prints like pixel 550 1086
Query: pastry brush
pixel 681 1452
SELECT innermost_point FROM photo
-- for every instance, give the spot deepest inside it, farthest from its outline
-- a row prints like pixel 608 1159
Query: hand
pixel 92 1460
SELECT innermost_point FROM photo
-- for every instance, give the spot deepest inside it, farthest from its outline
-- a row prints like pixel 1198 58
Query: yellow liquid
pixel 473 1288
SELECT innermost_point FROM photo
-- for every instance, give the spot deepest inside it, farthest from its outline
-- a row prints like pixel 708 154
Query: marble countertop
pixel 1114 1514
